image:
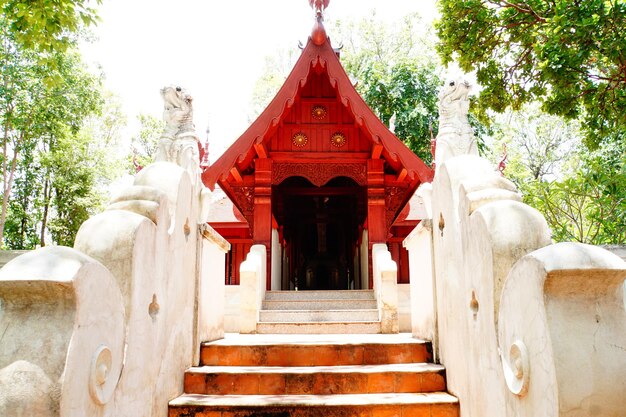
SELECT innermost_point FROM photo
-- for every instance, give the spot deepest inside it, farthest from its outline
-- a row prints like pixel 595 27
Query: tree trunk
pixel 5 197
pixel 46 205
pixel 7 186
pixel 4 178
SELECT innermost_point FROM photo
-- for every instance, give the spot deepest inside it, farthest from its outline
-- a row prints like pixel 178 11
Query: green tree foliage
pixel 539 144
pixel 63 180
pixel 45 26
pixel 275 71
pixel 397 73
pixel 567 54
pixel 581 193
pixel 145 142
pixel 79 167
pixel 407 93
pixel 71 181
pixel 588 205
pixel 105 131
pixel 35 118
pixel 51 159
pixel 25 205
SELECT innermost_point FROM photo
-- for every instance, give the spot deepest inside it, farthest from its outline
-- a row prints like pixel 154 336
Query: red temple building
pixel 318 179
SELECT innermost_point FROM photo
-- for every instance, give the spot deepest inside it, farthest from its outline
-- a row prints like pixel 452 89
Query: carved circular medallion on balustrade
pixel 319 112
pixel 299 139
pixel 338 139
pixel 102 379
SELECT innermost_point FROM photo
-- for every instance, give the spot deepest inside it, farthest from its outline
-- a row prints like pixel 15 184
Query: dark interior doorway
pixel 321 232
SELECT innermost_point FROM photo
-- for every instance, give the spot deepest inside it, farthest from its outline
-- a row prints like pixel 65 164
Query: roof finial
pixel 204 151
pixel 319 5
pixel 318 34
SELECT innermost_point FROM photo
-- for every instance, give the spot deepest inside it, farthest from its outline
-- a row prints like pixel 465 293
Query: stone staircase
pixel 315 376
pixel 350 311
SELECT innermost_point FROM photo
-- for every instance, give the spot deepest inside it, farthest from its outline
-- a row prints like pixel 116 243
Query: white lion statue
pixel 455 136
pixel 179 142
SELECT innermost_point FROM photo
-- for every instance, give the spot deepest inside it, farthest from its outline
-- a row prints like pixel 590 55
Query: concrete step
pixel 315 380
pixel 319 327
pixel 315 350
pixel 317 315
pixel 325 295
pixel 328 304
pixel 436 404
pixel 315 375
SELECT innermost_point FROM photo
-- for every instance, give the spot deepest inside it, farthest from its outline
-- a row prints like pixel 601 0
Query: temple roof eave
pixel 314 55
pixel 258 130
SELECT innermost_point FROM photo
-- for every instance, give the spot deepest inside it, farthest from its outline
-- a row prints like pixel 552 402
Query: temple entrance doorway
pixel 322 233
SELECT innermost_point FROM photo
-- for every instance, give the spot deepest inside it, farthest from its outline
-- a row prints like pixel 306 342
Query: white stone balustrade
pixel 63 335
pixel 109 327
pixel 562 333
pixel 252 285
pixel 385 273
pixel 145 269
pixel 525 328
pixel 480 229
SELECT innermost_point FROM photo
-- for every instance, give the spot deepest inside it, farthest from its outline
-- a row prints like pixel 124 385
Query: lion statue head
pixel 453 99
pixel 177 110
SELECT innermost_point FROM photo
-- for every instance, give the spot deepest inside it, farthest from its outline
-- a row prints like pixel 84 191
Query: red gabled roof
pixel 318 55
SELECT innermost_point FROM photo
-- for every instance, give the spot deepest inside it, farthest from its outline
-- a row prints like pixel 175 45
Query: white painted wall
pixel 211 289
pixel 422 290
pixel 231 310
pixel 252 285
pixel 385 274
pixel 276 262
pixel 364 261
pixel 404 308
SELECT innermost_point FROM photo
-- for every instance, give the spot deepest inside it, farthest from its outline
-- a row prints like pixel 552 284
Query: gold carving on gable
pixel 319 112
pixel 299 139
pixel 319 174
pixel 338 139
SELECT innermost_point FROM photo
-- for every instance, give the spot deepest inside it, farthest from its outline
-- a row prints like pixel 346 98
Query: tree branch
pixel 528 10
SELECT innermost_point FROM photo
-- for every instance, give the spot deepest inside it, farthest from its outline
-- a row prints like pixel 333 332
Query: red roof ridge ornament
pixel 319 5
pixel 318 34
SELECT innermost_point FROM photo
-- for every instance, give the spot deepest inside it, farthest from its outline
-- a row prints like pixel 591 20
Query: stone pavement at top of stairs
pixel 314 339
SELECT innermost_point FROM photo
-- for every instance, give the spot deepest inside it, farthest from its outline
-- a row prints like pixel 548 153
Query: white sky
pixel 214 49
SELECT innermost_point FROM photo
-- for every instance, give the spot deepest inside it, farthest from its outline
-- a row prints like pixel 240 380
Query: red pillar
pixel 376 223
pixel 262 233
